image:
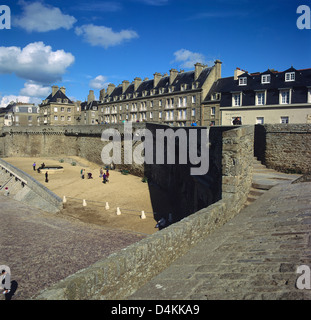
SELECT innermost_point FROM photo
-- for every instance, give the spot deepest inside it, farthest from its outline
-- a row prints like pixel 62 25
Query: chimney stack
pixel 91 96
pixel 54 90
pixel 237 72
pixel 63 90
pixel 125 85
pixel 173 75
pixel 198 68
pixel 110 88
pixel 102 94
pixel 137 82
pixel 157 76
pixel 218 64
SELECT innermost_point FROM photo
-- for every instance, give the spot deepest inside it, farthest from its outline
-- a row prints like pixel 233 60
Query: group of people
pixel 39 170
pixel 102 174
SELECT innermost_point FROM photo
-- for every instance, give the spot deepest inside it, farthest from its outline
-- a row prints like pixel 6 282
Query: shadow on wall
pixel 260 143
pixel 174 192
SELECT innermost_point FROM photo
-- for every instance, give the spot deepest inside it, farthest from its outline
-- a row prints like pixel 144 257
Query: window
pixel 243 81
pixel 56 118
pixel 185 102
pixel 151 115
pixel 179 102
pixel 69 118
pixel 62 109
pixel 284 120
pixel 29 118
pixel 193 112
pixel 309 96
pixel 30 110
pixel 69 110
pixel 260 120
pixel 260 98
pixel 290 76
pixel 160 114
pixel 62 118
pixel 55 109
pixel 160 103
pixel 213 111
pixel 193 99
pixel 285 97
pixel 266 78
pixel 236 99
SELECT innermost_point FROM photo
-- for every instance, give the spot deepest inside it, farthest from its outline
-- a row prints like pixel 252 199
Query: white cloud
pixel 188 59
pixel 99 82
pixel 104 36
pixel 36 62
pixel 5 100
pixel 32 89
pixel 42 18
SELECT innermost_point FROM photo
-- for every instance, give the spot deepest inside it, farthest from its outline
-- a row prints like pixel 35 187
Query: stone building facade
pixel 174 99
pixel 19 114
pixel 58 110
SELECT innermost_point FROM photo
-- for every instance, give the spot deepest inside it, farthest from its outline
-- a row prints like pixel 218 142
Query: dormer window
pixel 290 76
pixel 266 78
pixel 242 81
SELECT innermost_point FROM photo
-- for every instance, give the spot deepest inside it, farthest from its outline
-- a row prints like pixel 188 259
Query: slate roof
pixel 148 85
pixel 226 86
pixel 89 105
pixel 58 95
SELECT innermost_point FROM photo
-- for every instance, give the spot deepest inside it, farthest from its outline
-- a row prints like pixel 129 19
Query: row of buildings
pixel 179 99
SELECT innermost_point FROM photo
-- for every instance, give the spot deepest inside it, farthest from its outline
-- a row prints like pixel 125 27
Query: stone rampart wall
pixel 122 273
pixel 284 147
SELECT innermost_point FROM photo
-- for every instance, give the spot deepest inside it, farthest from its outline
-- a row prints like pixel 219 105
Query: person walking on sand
pixel 104 178
pixel 34 166
pixel 107 175
pixel 46 177
pixel 101 171
pixel 5 279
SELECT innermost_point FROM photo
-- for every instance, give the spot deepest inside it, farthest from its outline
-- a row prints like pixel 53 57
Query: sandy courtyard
pixel 127 192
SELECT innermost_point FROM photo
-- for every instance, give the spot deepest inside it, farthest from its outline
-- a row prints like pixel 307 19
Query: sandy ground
pixel 127 192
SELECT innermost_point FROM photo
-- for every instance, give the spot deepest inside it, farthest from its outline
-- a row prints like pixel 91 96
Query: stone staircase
pixel 264 179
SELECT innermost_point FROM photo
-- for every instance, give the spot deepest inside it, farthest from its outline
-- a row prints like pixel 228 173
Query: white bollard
pixel 64 199
pixel 84 203
pixel 107 206
pixel 143 216
pixel 118 211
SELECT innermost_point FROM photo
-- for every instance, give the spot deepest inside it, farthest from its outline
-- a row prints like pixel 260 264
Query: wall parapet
pixel 123 272
pixel 284 147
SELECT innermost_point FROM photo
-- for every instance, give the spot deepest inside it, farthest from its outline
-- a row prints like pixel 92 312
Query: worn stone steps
pixel 264 179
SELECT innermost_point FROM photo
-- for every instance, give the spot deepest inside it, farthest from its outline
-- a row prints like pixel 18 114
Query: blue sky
pixel 85 45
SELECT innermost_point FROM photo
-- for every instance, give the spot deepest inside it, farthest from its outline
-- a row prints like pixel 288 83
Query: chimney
pixel 102 94
pixel 137 82
pixel 125 85
pixel 237 72
pixel 157 76
pixel 218 64
pixel 54 90
pixel 63 90
pixel 110 88
pixel 91 96
pixel 198 67
pixel 173 75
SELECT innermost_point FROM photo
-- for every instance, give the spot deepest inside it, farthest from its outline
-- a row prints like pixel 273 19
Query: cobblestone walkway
pixel 254 256
pixel 42 248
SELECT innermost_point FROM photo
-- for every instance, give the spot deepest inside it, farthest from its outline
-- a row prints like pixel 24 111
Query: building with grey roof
pixel 174 99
